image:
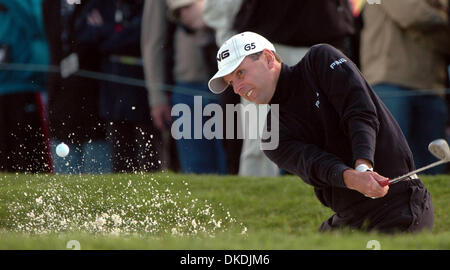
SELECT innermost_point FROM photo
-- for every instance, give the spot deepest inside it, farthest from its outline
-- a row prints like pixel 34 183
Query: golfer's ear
pixel 269 57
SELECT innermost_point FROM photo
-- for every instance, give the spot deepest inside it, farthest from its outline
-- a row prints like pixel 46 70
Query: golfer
pixel 335 133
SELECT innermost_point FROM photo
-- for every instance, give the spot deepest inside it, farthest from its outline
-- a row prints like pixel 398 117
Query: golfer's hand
pixel 366 183
pixel 161 117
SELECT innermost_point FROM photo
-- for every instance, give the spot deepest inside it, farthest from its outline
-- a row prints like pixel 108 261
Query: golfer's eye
pixel 239 73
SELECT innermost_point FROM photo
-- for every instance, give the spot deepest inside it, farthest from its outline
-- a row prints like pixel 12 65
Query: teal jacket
pixel 22 32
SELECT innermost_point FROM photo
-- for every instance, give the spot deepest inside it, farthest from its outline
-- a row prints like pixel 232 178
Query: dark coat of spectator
pixel 72 101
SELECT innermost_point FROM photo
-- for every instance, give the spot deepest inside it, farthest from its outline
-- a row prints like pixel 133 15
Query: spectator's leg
pixel 26 145
pixel 122 140
pixel 430 117
pixel 96 157
pixel 70 164
pixel 253 161
pixel 149 147
pixel 232 147
pixel 197 155
pixel 399 104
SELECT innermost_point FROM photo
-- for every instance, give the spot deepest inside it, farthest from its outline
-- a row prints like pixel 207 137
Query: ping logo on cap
pixel 223 55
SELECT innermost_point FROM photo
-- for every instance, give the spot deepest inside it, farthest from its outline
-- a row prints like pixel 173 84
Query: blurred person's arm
pixel 216 13
pixel 31 19
pixel 23 10
pixel 429 17
pixel 153 37
pixel 191 15
pixel 219 15
pixel 418 14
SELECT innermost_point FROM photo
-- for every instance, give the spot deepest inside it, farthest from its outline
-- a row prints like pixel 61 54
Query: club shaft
pixel 403 177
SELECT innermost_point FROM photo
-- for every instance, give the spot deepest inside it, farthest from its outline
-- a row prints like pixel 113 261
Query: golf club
pixel 439 148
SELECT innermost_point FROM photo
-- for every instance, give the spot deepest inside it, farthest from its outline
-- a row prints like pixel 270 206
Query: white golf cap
pixel 231 54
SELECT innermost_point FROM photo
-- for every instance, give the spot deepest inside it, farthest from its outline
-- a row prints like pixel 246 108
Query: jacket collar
pixel 281 94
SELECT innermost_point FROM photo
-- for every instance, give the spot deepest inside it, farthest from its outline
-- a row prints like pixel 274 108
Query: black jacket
pixel 118 102
pixel 72 101
pixel 328 117
pixel 296 23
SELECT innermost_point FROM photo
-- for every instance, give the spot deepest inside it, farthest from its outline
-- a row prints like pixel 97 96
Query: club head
pixel 439 148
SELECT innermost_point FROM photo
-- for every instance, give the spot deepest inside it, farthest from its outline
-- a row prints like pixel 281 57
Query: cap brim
pixel 217 85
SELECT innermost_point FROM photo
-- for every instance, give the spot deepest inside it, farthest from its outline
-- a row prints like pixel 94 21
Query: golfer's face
pixel 250 80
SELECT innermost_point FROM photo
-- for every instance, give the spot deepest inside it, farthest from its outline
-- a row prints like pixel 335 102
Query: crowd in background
pixel 103 76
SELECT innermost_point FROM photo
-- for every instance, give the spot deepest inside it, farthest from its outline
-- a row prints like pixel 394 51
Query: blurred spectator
pixel 23 128
pixel 403 48
pixel 190 74
pixel 447 96
pixel 160 111
pixel 299 23
pixel 114 27
pixel 357 7
pixel 219 15
pixel 294 26
pixel 73 100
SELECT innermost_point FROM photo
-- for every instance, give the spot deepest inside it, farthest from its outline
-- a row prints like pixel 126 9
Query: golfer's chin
pixel 255 98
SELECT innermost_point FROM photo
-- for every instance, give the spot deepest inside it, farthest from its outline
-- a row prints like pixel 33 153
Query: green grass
pixel 172 211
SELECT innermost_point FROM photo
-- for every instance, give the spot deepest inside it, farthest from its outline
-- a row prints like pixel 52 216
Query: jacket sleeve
pixel 153 37
pixel 350 95
pixel 219 15
pixel 413 13
pixel 313 165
